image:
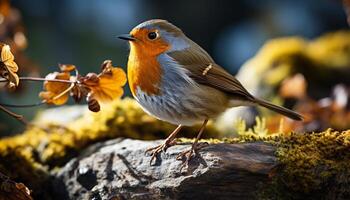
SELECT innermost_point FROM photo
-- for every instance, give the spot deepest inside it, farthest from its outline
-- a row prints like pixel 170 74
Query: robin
pixel 175 80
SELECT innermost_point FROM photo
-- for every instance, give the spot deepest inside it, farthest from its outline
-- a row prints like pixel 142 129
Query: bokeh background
pixel 83 32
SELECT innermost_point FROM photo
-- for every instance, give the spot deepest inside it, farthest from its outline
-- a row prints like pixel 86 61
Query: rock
pixel 119 169
pixel 61 115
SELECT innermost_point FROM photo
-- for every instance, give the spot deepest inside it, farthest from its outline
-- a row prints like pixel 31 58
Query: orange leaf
pixel 55 89
pixel 110 83
pixel 91 79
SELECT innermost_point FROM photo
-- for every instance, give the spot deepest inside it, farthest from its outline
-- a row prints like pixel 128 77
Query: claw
pixel 163 147
pixel 188 154
pixel 155 151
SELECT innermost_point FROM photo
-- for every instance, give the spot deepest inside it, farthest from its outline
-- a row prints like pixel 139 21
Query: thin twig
pixel 22 106
pixel 39 79
pixel 64 92
pixel 20 118
pixel 39 103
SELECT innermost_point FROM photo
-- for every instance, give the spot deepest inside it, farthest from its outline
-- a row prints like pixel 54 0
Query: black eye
pixel 152 35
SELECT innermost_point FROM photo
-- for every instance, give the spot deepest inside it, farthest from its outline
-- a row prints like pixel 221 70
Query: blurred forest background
pixel 84 33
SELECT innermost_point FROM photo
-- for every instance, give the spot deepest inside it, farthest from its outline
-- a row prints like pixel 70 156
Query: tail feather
pixel 279 109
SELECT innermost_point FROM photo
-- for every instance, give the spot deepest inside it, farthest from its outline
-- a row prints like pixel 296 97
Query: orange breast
pixel 144 71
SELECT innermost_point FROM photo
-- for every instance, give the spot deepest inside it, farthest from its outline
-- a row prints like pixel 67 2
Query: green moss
pixel 311 166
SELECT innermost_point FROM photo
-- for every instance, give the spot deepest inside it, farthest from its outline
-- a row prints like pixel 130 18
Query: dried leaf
pixel 66 67
pixel 10 190
pixel 54 89
pixel 8 68
pixel 78 93
pixel 106 65
pixel 91 79
pixel 294 87
pixel 93 104
pixel 111 81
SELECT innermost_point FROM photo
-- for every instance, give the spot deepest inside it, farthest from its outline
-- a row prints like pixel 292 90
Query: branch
pixel 39 79
pixel 22 106
pixel 20 118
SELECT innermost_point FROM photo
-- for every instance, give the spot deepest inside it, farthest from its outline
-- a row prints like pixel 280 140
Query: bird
pixel 177 81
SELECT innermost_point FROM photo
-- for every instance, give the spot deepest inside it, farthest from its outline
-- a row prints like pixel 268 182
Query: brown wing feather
pixel 196 60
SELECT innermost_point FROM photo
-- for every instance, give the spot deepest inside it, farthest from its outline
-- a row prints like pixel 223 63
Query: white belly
pixel 186 106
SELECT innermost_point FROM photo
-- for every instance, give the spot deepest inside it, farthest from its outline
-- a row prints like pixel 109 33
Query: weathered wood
pixel 119 168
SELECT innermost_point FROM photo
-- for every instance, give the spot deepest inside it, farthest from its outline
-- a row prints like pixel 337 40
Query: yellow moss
pixel 272 63
pixel 321 59
pixel 314 165
pixel 308 160
pixel 303 154
pixel 309 165
pixel 332 49
pixel 259 132
pixel 30 155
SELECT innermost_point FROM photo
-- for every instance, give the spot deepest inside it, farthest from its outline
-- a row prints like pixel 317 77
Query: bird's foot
pixel 187 155
pixel 155 151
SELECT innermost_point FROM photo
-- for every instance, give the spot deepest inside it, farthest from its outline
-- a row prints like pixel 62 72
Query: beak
pixel 127 37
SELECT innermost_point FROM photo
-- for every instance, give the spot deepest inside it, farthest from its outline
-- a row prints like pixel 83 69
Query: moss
pixel 259 132
pixel 323 60
pixel 311 166
pixel 332 49
pixel 30 156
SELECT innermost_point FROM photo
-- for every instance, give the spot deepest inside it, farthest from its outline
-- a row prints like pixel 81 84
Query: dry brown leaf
pixel 54 89
pixel 10 190
pixel 91 79
pixel 66 67
pixel 8 68
pixel 93 104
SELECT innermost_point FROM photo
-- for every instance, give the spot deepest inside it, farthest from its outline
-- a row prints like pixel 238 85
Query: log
pixel 119 169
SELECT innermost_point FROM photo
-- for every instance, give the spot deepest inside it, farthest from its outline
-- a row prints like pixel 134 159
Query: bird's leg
pixel 195 147
pixel 169 141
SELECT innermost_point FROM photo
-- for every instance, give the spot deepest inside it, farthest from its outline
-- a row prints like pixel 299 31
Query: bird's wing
pixel 205 71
